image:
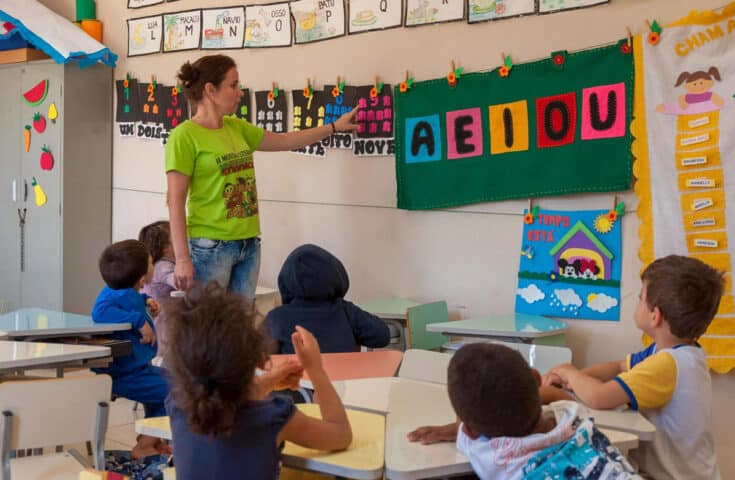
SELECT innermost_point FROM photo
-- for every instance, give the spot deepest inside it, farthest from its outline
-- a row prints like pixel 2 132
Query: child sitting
pixel 506 434
pixel 222 423
pixel 125 267
pixel 157 238
pixel 313 283
pixel 669 381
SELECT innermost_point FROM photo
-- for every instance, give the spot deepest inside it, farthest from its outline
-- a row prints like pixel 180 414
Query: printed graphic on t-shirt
pixel 241 198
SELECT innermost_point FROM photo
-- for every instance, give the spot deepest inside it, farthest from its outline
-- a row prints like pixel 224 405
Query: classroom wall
pixel 469 255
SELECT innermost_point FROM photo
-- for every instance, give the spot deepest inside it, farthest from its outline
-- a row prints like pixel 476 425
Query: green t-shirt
pixel 223 201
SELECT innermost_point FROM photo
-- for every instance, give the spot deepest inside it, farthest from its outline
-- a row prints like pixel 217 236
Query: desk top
pixel 364 458
pixel 39 323
pixel 260 291
pixel 391 308
pixel 628 420
pixel 353 365
pixel 513 325
pixel 29 355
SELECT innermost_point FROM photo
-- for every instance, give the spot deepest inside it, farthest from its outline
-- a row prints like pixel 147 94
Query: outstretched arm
pixel 277 142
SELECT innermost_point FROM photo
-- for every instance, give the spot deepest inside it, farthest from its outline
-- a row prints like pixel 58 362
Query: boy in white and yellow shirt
pixel 669 381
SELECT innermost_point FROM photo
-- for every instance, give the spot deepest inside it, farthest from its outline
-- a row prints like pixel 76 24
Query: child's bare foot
pixel 148 445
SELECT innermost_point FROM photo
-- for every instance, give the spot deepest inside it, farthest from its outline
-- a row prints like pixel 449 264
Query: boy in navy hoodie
pixel 126 266
pixel 313 283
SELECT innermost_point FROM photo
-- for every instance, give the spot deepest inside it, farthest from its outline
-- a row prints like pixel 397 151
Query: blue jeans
pixel 234 264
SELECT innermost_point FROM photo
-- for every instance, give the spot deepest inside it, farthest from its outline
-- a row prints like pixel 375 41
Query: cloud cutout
pixel 567 297
pixel 531 293
pixel 602 303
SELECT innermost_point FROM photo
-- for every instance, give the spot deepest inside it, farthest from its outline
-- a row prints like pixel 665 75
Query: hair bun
pixel 189 74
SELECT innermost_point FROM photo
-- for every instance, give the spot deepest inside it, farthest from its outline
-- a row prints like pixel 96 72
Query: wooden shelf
pixel 21 55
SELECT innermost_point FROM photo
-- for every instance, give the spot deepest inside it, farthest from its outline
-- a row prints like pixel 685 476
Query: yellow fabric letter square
pixel 509 127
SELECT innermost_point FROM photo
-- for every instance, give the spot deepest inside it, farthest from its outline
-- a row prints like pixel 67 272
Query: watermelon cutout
pixel 36 95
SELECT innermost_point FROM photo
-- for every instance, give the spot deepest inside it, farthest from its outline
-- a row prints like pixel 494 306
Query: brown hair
pixel 690 77
pixel 493 390
pixel 208 69
pixel 213 350
pixel 123 263
pixel 155 237
pixel 686 290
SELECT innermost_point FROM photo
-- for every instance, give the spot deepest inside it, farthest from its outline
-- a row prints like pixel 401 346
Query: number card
pixel 144 35
pixel 223 28
pixel 318 19
pixel 268 25
pixel 182 30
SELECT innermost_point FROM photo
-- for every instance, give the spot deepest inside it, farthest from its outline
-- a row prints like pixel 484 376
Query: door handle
pixel 14 190
pixel 25 190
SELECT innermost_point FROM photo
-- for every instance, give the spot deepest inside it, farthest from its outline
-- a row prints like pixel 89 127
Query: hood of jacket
pixel 312 273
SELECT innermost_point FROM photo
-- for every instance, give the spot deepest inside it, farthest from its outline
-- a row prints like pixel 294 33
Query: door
pixel 41 280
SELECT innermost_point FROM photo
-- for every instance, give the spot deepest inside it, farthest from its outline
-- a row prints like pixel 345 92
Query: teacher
pixel 209 168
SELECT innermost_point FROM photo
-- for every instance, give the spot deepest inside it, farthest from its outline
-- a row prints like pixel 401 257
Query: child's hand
pixel 149 336
pixel 563 372
pixel 434 434
pixel 307 348
pixel 153 307
pixel 283 376
pixel 551 379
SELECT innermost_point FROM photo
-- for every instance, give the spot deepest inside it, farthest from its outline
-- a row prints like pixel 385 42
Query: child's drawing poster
pixel 309 112
pixel 318 19
pixel 223 28
pixel 426 12
pixel 268 25
pixel 367 15
pixel 270 110
pixel 546 6
pixel 571 264
pixel 483 10
pixel 685 115
pixel 144 35
pixel 182 30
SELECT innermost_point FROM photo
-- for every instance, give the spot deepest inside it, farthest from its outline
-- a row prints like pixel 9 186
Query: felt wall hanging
pixel 684 115
pixel 309 112
pixel 128 100
pixel 268 25
pixel 270 110
pixel 223 28
pixel 570 264
pixel 550 127
pixel 338 100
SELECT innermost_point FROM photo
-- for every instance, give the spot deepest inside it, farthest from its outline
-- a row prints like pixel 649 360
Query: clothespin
pixel 377 88
pixel 406 84
pixel 153 82
pixel 627 46
pixel 654 32
pixel 273 94
pixel 453 75
pixel 308 90
pixel 530 215
pixel 339 87
pixel 506 66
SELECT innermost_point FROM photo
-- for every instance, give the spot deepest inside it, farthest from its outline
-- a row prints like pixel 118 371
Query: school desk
pixel 16 357
pixel 627 420
pixel 393 312
pixel 364 459
pixel 352 365
pixel 513 327
pixel 28 324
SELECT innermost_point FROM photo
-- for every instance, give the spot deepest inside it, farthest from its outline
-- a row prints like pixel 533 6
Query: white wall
pixel 468 256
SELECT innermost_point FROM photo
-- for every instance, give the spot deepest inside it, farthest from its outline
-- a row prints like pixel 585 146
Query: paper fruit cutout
pixel 36 95
pixel 40 194
pixel 39 122
pixel 52 113
pixel 27 138
pixel 47 159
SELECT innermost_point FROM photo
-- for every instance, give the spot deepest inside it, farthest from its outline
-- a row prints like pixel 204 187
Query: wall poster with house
pixel 570 263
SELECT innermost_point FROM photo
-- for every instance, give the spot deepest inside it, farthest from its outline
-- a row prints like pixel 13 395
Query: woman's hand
pixel 345 123
pixel 184 274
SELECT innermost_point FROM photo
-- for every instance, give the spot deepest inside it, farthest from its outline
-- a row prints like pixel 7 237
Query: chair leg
pixel 7 430
pixel 100 430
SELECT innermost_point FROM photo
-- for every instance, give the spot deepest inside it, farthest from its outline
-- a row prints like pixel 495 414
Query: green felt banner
pixel 551 127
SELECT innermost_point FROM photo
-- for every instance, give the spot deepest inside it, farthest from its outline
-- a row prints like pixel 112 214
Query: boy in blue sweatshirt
pixel 313 283
pixel 125 267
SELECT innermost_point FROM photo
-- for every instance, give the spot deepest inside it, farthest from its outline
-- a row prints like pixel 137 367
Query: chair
pixel 416 320
pixel 424 365
pixel 53 412
pixel 540 357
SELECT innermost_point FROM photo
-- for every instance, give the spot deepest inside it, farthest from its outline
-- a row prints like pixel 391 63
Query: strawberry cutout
pixel 39 122
pixel 47 159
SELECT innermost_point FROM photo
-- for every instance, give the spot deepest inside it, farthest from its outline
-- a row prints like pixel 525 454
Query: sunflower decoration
pixel 654 35
pixel 453 75
pixel 504 70
pixel 338 89
pixel 531 215
pixel 605 222
pixel 375 91
pixel 308 91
